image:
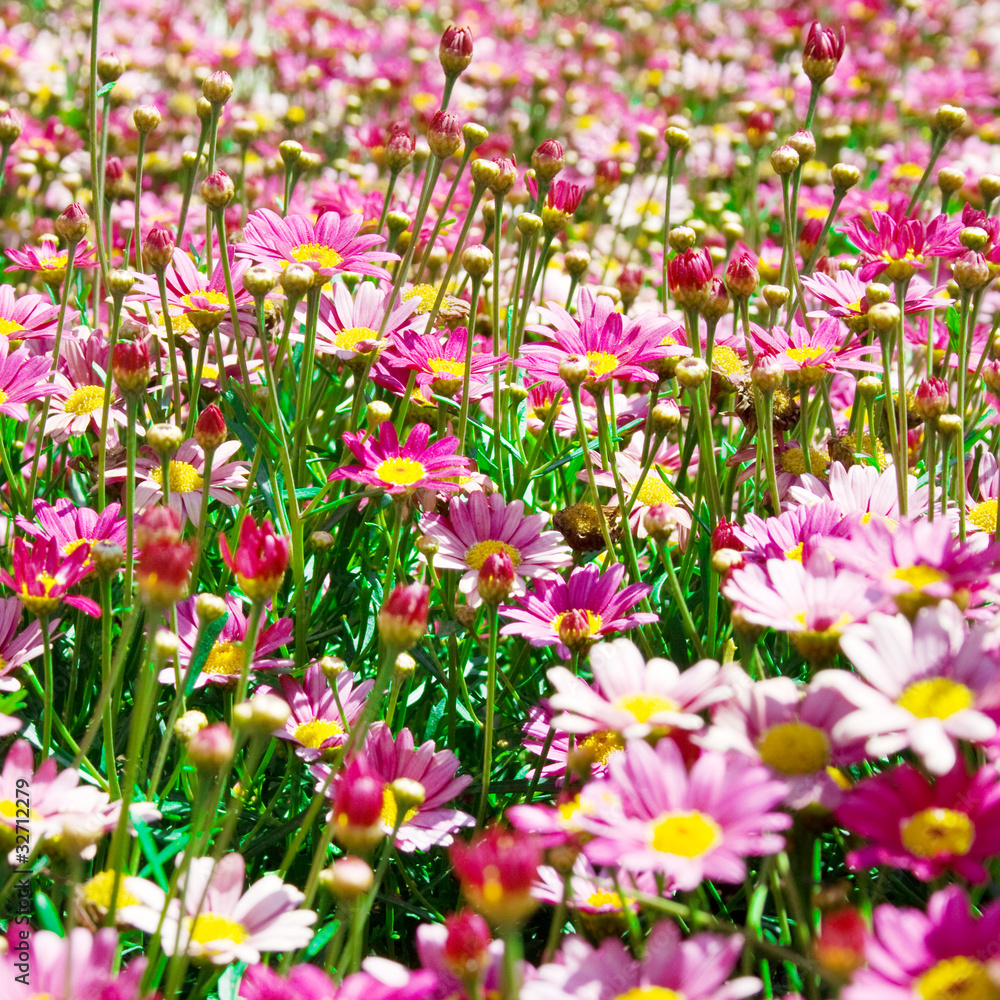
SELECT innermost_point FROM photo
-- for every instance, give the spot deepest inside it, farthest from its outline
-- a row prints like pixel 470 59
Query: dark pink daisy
pixel 43 575
pixel 439 362
pixel 387 465
pixel 539 614
pixel 901 246
pixel 73 527
pixel 49 261
pixel 202 300
pixel 26 316
pixel 807 358
pixel 18 647
pixel 22 379
pixel 329 246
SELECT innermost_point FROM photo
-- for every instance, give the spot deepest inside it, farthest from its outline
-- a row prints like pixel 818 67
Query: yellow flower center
pixel 70 547
pixel 40 604
pixel 932 832
pixel 795 552
pixel 85 400
pixel 958 978
pixel 984 515
pixel 316 732
pixel 447 366
pixel 935 698
pixel 601 362
pixel 650 993
pixel 8 810
pixel 213 298
pixel 390 811
pixel 594 622
pixel 794 748
pixel 3 397
pixel 426 293
pixel 653 491
pixel 803 355
pixel 688 834
pixel 184 477
pixel 400 471
pixel 602 745
pixel 57 262
pixel 224 658
pixel 602 897
pixel 317 253
pixel 210 927
pixel 918 576
pixel 9 326
pixel 726 360
pixel 98 892
pixel 793 461
pixel 481 551
pixel 642 706
pixel 349 339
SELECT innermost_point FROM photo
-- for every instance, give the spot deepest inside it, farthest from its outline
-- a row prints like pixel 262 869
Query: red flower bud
pixel 130 365
pixel 163 572
pixel 548 159
pixel 455 50
pixel 444 135
pixel 260 560
pixel 840 944
pixel 607 177
pixel 358 800
pixel 114 171
pixel 158 248
pixel 73 223
pixel 210 428
pixel 689 276
pixel 217 190
pixel 759 126
pixel 403 618
pixel 725 536
pixel 931 398
pixel 466 948
pixel 630 283
pixel 575 632
pixel 496 578
pixel 400 148
pixel 211 748
pixel 742 276
pixel 508 174
pixel 822 52
pixel 157 526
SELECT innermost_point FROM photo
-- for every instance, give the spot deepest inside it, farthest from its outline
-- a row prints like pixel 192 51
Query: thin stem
pixel 491 693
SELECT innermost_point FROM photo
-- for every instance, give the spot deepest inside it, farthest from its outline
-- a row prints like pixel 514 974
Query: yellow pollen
pixel 317 253
pixel 481 551
pixel 958 978
pixel 642 705
pixel 918 576
pixel 210 927
pixel 935 698
pixel 224 658
pixel 855 307
pixel 3 397
pixel 602 745
pixel 390 811
pixel 654 490
pixel 57 262
pixel 601 362
pixel 349 339
pixel 933 832
pixel 426 293
pixel 794 748
pixel 447 366
pixel 400 471
pixel 86 399
pixel 984 516
pixel 213 298
pixel 8 810
pixel 98 892
pixel 726 360
pixel 602 897
pixel 687 834
pixel 795 552
pixel 793 461
pixel 70 547
pixel 650 993
pixel 8 326
pixel 594 621
pixel 316 732
pixel 184 477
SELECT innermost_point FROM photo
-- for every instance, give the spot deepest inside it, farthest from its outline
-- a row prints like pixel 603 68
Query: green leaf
pixel 202 650
pixel 230 980
pixel 319 941
pixel 106 89
pixel 47 914
pixel 150 851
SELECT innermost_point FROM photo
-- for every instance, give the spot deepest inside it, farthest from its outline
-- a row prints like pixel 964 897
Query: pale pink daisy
pixel 350 323
pixel 23 379
pixel 689 826
pixel 217 921
pixel 77 407
pixel 18 647
pixel 478 526
pixel 26 317
pixel 861 492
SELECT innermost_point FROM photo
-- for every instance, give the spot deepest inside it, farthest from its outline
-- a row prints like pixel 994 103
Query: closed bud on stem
pixel 869 387
pixel 131 366
pixel 973 238
pixel 262 714
pixel 146 118
pixel 508 175
pixel 259 280
pixel 455 50
pixel 11 125
pixel 158 248
pixel 377 413
pixel 784 161
pixel 528 224
pixel 844 176
pixel 877 293
pixel 883 318
pixel 931 398
pixel 660 522
pixel 260 560
pixel 322 541
pixel 474 134
pixel 332 667
pixel 217 190
pixel 157 526
pixel 402 620
pixel 949 424
pixel 107 557
pixel 804 143
pixel 575 632
pixel 950 180
pixel 72 224
pixel 548 159
pixel 211 749
pixel 776 296
pixel 681 238
pixel 217 88
pixel 290 151
pixel 691 372
pixel 970 271
pixel 401 146
pixel 210 428
pixel 989 186
pixel 574 370
pixel 607 177
pixel 203 108
pixel 496 578
pixel 477 259
pixel 165 646
pixel 209 608
pixel 677 138
pixel 576 262
pixel 296 280
pixel 717 304
pixel 466 945
pixel 767 374
pixel 822 51
pixel 485 173
pixel 949 118
pixel 348 878
pixel 666 416
pixel 742 276
pixel 444 135
pixel 164 439
pixel 120 282
pixel 109 67
pixel 405 666
pixel 189 724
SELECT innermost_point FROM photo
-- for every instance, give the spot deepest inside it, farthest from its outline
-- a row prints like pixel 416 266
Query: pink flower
pixel 22 379
pixel 952 825
pixel 26 317
pixel 202 301
pixel 901 246
pixel 477 526
pixel 328 246
pixel 807 358
pixel 260 560
pixel 49 261
pixel 304 982
pixel 349 325
pixel 42 577
pixel 440 365
pixel 399 469
pixel 74 527
pixel 594 595
pixel 696 969
pixel 689 826
pixel 18 648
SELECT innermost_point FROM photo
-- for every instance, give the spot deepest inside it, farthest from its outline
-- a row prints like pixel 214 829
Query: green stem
pixel 491 693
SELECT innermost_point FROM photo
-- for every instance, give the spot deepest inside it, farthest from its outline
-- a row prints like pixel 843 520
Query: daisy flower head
pixel 929 828
pixel 428 824
pixel 23 379
pixel 808 357
pixel 440 362
pixel 349 324
pixel 946 952
pixel 186 479
pixel 695 969
pixel 74 527
pixel 399 469
pixel 901 246
pixel 478 526
pixel 18 647
pixel 217 921
pixel 329 246
pixel 43 575
pixel 315 723
pixel 924 684
pixel 48 261
pixel 199 301
pixel 633 698
pixel 26 317
pixel 590 600
pixel 688 825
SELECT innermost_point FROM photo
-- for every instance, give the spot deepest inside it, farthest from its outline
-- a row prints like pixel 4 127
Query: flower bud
pixel 332 667
pixel 348 878
pixel 120 282
pixel 377 413
pixel 211 749
pixel 991 376
pixel 548 159
pixel 767 374
pixel 209 608
pixel 189 724
pixel 742 276
pixel 474 134
pixel 682 238
pixel 970 271
pixel 296 280
pixel 508 175
pixel 260 560
pixel 72 224
pixel 528 224
pixel 11 126
pixel 822 52
pixel 131 366
pixel 444 135
pixel 950 180
pixel 883 318
pixel 574 370
pixel 455 50
pixel 485 173
pixel 666 416
pixel 776 296
pixel 262 714
pixel 158 248
pixel 407 794
pixel 290 152
pixel 931 398
pixel 784 161
pixel 157 526
pixel 259 280
pixel 804 143
pixel 989 186
pixel 109 66
pixel 358 801
pixel 322 541
pixel 163 573
pixel 217 88
pixel 146 118
pixel 466 946
pixel 477 259
pixel 949 118
pixel 840 945
pixel 496 578
pixel 217 190
pixel 660 522
pixel 689 276
pixel 402 620
pixel 210 428
pixel 575 632
pixel 691 372
pixel 716 304
pixel 576 262
pixel 973 238
pixel 844 176
pixel 759 126
pixel 165 439
pixel 676 138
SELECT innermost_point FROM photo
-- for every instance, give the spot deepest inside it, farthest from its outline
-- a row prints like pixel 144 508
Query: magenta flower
pixel 22 379
pixel 328 246
pixel 947 952
pixel 260 560
pixel 440 363
pixel 950 825
pixel 315 723
pixel 398 469
pixel 807 358
pixel 350 325
pixel 304 982
pixel 49 261
pixel 73 527
pixel 429 824
pixel 43 575
pixel 538 615
pixel 478 526
pixel 696 969
pixel 18 648
pixel 901 246
pixel 26 317
pixel 689 826
pixel 200 301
